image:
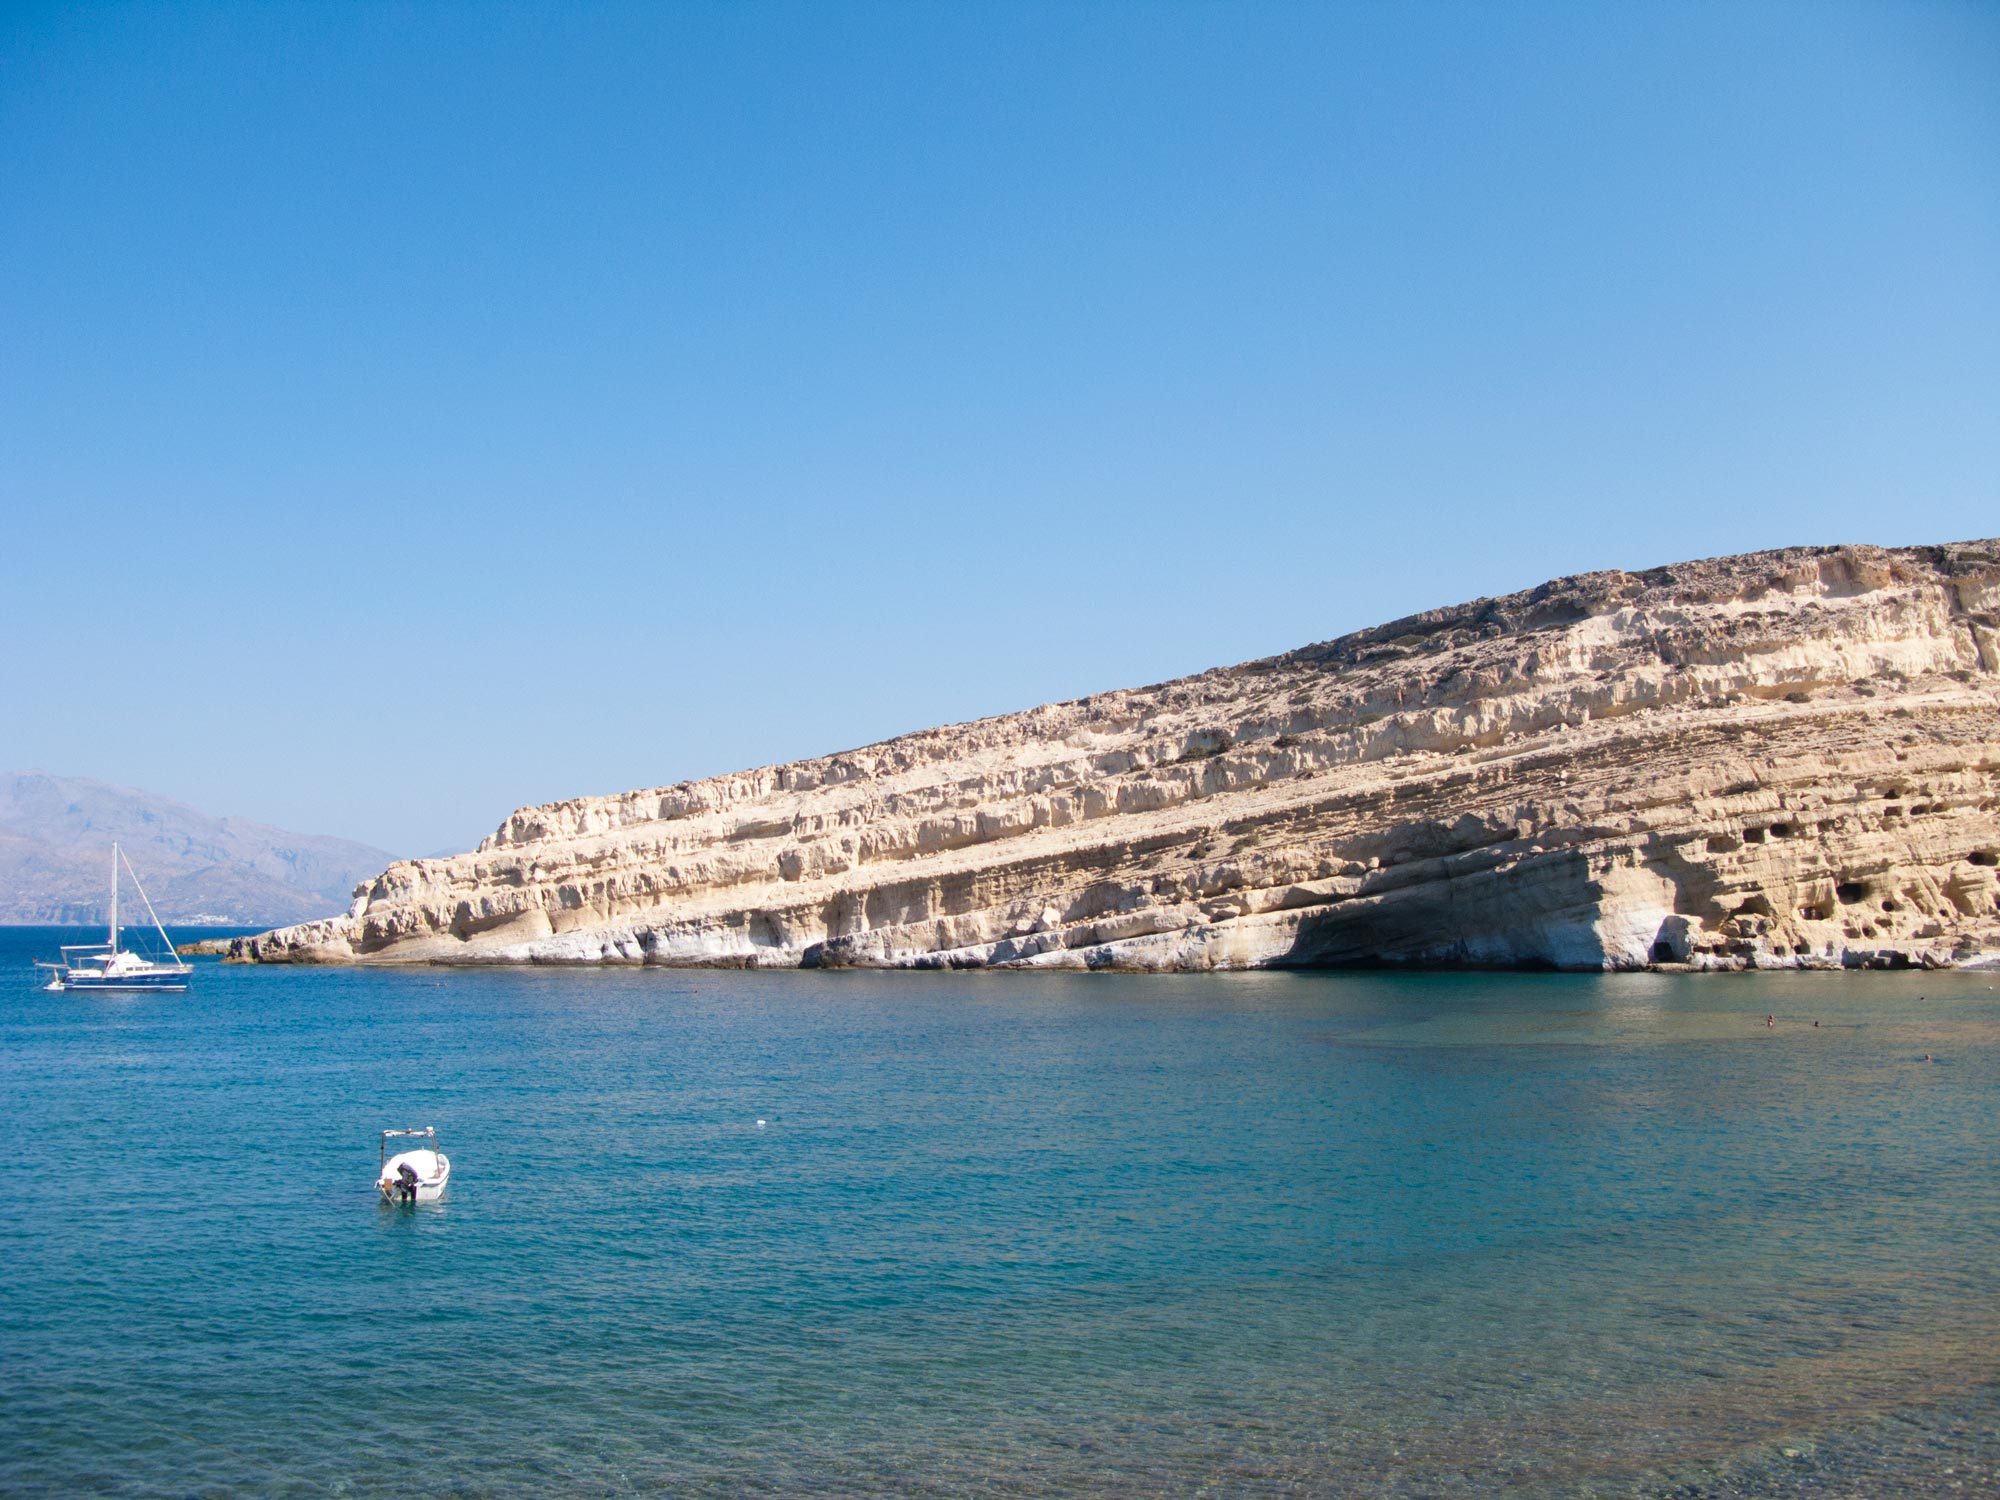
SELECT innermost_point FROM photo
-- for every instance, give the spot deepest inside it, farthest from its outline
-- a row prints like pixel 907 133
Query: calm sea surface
pixel 1002 1235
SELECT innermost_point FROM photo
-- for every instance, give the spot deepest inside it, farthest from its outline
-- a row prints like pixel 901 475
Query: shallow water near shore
pixel 1270 1234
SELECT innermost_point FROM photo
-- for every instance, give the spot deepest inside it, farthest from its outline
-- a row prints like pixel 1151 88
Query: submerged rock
pixel 1785 759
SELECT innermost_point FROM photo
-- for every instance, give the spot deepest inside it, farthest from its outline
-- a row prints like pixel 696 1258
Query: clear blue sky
pixel 408 412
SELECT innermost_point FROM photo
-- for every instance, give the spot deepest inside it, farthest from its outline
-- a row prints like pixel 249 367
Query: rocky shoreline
pixel 1787 759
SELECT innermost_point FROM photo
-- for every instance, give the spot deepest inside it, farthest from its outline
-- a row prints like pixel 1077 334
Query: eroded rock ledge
pixel 1783 759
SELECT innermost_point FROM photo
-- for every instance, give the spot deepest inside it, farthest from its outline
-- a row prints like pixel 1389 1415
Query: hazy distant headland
pixel 1784 759
pixel 56 834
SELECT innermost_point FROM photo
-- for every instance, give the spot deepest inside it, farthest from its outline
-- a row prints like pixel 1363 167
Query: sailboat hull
pixel 168 981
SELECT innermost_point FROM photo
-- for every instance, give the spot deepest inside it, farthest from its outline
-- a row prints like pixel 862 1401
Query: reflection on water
pixel 1270 1234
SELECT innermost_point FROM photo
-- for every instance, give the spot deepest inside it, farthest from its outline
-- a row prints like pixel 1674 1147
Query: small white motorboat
pixel 415 1176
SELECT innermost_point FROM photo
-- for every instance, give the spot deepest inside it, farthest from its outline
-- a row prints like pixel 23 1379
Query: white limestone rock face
pixel 1784 759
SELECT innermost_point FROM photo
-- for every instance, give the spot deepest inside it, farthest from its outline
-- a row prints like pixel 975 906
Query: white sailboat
pixel 106 966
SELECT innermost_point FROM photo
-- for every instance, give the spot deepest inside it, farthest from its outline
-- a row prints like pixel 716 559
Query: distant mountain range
pixel 56 834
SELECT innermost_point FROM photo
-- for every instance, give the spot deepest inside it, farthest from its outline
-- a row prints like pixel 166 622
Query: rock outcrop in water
pixel 1783 759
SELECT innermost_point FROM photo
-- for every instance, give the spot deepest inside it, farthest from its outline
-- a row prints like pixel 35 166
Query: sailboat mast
pixel 114 898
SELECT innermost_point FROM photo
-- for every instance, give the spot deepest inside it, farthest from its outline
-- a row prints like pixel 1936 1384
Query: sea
pixel 1002 1235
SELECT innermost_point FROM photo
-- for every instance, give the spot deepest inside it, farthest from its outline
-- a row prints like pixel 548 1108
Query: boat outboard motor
pixel 406 1181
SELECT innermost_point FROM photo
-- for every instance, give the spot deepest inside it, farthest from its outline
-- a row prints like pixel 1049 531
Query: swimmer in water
pixel 1770 1021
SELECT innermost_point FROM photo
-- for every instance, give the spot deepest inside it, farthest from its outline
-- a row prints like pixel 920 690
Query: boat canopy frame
pixel 426 1132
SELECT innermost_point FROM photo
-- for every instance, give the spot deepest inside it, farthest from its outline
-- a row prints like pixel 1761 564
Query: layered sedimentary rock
pixel 1784 759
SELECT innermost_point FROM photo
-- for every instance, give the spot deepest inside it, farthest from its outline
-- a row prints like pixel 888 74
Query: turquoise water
pixel 1002 1235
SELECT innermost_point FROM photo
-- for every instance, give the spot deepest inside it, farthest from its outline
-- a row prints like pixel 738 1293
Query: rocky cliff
pixel 1783 759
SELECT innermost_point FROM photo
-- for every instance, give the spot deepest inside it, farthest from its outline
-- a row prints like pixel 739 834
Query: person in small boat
pixel 406 1182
